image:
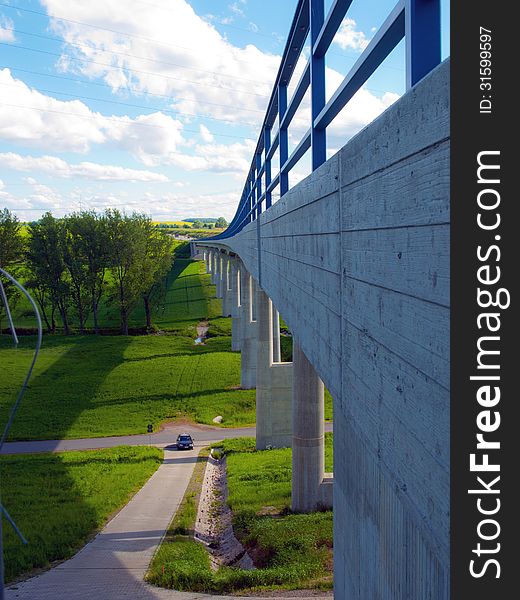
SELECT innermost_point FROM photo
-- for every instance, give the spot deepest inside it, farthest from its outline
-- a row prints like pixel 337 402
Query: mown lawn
pixel 87 386
pixel 59 500
pixel 94 386
pixel 291 551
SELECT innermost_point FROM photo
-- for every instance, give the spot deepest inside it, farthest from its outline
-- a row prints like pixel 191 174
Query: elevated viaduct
pixel 355 258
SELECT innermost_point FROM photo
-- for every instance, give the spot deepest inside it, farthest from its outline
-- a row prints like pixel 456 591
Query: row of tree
pixel 71 264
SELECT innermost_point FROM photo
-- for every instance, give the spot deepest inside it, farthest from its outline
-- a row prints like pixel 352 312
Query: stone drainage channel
pixel 213 525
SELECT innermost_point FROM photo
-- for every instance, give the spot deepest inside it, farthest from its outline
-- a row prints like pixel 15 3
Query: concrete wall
pixel 356 258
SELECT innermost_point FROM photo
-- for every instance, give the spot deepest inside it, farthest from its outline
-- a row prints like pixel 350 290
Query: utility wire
pixel 127 54
pixel 117 120
pixel 131 35
pixel 105 85
pixel 165 8
pixel 130 105
pixel 112 69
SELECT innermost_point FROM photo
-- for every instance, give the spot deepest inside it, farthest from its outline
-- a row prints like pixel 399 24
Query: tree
pixel 128 245
pixel 76 262
pixel 157 262
pixel 221 223
pixel 11 253
pixel 47 240
pixel 197 225
pixel 87 261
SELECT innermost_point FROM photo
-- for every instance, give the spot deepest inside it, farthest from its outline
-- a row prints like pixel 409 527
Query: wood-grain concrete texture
pixel 356 259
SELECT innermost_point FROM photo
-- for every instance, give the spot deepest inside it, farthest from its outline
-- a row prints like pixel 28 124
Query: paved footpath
pixel 112 566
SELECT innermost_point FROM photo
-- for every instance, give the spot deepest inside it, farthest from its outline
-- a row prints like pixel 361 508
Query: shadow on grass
pixel 59 533
pixel 57 396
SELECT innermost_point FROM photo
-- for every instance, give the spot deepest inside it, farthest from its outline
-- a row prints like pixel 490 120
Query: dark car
pixel 184 441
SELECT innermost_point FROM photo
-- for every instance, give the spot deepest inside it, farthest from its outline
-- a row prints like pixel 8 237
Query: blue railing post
pixel 267 146
pixel 318 136
pixel 258 185
pixel 416 20
pixel 283 137
pixel 250 197
pixel 423 38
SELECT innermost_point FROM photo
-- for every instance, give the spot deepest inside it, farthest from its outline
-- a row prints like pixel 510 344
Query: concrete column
pixel 308 456
pixel 248 337
pixel 236 325
pixel 277 353
pixel 264 359
pixel 273 384
pixel 219 271
pixel 213 262
pixel 207 259
pixel 226 292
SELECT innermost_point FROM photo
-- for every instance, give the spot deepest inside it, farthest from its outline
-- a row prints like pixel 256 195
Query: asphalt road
pixel 202 434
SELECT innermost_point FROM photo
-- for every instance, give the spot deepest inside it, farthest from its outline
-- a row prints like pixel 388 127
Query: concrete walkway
pixel 113 564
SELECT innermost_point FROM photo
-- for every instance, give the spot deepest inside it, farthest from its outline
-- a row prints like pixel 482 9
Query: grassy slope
pixel 293 551
pixel 59 500
pixel 94 386
pixel 87 386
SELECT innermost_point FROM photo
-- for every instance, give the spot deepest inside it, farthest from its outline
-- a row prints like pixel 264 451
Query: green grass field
pixel 84 386
pixel 92 386
pixel 59 500
pixel 291 551
pixel 89 385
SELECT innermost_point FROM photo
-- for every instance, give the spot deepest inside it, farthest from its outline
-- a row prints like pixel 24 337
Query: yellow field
pixel 177 223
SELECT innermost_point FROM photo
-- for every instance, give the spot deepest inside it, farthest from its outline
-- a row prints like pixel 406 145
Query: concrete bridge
pixel 356 260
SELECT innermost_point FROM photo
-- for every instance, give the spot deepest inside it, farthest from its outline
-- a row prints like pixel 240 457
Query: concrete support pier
pixel 213 266
pixel 309 489
pixel 273 384
pixel 277 352
pixel 248 337
pixel 226 295
pixel 207 260
pixel 236 325
pixel 218 274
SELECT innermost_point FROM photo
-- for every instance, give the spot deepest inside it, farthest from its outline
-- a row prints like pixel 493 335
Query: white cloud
pixel 34 119
pixel 362 109
pixel 173 206
pixel 6 26
pixel 235 9
pixel 57 167
pixel 349 37
pixel 191 61
pixel 206 134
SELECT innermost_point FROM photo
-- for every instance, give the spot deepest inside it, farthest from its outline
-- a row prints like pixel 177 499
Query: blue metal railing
pixel 418 21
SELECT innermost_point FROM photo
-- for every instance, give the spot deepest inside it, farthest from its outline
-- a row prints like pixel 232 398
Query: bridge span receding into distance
pixel 355 258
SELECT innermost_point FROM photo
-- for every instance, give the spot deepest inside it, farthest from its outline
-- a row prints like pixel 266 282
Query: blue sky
pixel 155 105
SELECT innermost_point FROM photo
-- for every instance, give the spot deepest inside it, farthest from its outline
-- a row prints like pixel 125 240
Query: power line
pixel 105 85
pixel 115 52
pixel 157 41
pixel 165 8
pixel 60 112
pixel 131 35
pixel 140 106
pixel 112 69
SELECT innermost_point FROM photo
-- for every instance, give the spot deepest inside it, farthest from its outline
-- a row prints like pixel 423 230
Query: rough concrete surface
pixel 356 259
